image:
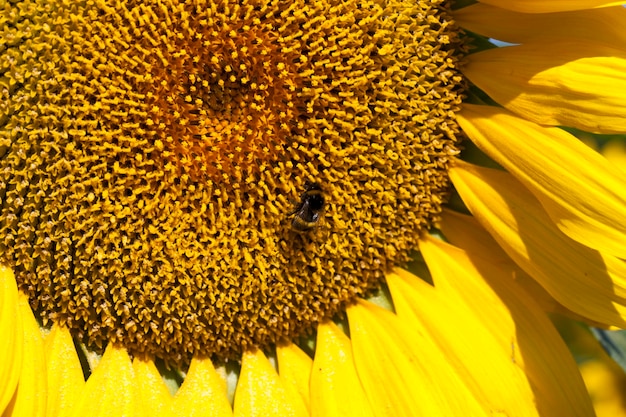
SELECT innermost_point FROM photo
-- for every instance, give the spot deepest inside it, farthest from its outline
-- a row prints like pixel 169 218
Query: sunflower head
pixel 158 161
pixel 204 180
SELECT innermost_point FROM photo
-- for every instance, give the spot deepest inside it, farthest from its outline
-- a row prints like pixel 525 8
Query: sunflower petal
pixel 517 340
pixel 294 368
pixel 562 83
pixel 403 372
pixel 110 390
pixel 260 392
pixel 480 353
pixel 598 25
pixel 615 151
pixel 581 191
pixel 203 392
pixel 32 389
pixel 155 398
pixel 467 234
pixel 12 334
pixel 584 280
pixel 335 387
pixel 549 6
pixel 65 374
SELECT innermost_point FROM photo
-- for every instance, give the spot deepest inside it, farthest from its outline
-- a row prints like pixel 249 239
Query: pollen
pixel 154 154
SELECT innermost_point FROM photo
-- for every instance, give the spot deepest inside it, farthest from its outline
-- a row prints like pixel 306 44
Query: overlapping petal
pixel 465 232
pixel 584 280
pixel 12 336
pixel 572 83
pixel 478 354
pixel 549 6
pixel 402 370
pixel 500 334
pixel 581 191
pixel 260 391
pixel 603 25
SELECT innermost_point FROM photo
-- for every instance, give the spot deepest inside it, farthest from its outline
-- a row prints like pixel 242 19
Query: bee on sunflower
pixel 150 154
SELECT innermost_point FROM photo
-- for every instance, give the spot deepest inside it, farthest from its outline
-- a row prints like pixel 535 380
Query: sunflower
pixel 271 208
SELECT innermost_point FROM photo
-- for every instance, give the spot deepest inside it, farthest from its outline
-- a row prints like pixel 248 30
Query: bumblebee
pixel 309 212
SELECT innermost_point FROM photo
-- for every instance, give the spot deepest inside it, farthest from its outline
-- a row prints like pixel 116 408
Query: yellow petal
pixel 110 390
pixel 154 396
pixel 598 25
pixel 260 392
pixel 203 393
pixel 31 395
pixel 615 151
pixel 402 371
pixel 11 341
pixel 466 233
pixel 562 83
pixel 65 374
pixel 583 194
pixel 549 6
pixel 529 345
pixel 584 280
pixel 294 368
pixel 480 353
pixel 335 387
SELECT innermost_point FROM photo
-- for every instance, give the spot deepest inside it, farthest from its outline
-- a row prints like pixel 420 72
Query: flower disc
pixel 154 156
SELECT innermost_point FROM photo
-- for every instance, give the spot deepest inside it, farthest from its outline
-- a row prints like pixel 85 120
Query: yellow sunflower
pixel 212 207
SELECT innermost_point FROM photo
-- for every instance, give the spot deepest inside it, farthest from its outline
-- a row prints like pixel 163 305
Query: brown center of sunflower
pixel 201 178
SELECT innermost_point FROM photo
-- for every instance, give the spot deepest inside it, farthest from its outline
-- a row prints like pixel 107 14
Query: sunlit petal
pixel 65 374
pixel 560 83
pixel 549 6
pixel 518 342
pixel 581 191
pixel 336 390
pixel 466 233
pixel 585 281
pixel 12 336
pixel 600 25
pixel 260 392
pixel 154 397
pixel 479 353
pixel 402 371
pixel 294 368
pixel 110 390
pixel 203 393
pixel 32 389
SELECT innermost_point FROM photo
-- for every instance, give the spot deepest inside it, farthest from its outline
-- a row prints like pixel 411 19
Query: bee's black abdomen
pixel 309 211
